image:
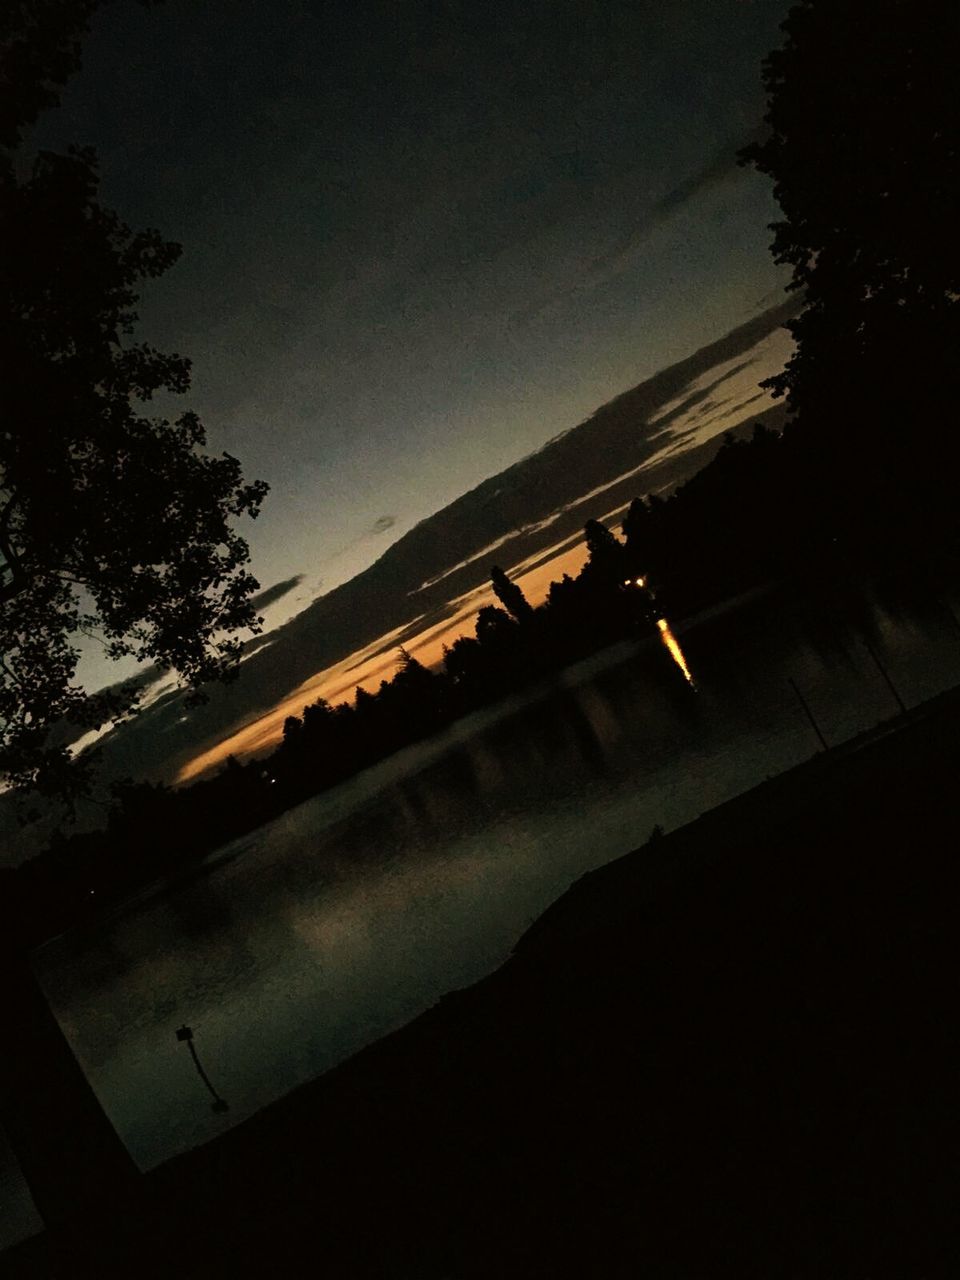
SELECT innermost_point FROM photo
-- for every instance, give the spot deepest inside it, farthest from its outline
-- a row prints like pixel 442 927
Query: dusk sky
pixel 541 885
pixel 421 239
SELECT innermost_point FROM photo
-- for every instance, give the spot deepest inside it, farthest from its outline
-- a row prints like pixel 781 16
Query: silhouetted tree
pixel 863 118
pixel 292 730
pixel 606 561
pixel 111 522
pixel 726 529
pixel 318 722
pixel 606 613
pixel 636 523
pixel 510 595
pixel 561 591
pixel 419 696
pixel 411 670
pixel 364 704
pixel 462 661
pixel 564 612
pixel 494 627
pixel 502 650
pixel 639 535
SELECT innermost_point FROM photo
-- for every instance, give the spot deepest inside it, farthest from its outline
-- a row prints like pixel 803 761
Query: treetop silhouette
pixel 113 523
pixel 863 119
pixel 510 595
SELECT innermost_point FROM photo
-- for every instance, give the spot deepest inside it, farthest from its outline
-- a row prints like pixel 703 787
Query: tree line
pixel 740 522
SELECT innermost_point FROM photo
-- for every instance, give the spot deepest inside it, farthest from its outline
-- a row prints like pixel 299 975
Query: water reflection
pixel 347 916
pixel 673 648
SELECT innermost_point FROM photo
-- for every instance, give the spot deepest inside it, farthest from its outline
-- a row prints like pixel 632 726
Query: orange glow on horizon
pixel 366 667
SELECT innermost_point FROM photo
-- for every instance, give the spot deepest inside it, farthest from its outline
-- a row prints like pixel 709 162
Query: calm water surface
pixel 347 916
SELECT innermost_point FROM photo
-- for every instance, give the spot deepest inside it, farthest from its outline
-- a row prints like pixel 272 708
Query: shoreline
pixel 406 1159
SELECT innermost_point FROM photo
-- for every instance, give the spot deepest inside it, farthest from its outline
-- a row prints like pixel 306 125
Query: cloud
pixel 311 592
pixel 270 595
pixel 723 166
pixel 379 526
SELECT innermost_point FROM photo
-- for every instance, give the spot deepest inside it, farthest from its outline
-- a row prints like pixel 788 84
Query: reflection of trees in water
pixel 583 722
pixel 876 614
pixel 201 913
pixel 468 774
pixel 410 804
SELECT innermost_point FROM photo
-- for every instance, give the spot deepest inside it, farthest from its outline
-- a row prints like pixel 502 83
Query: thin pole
pixel 883 671
pixel 803 702
pixel 219 1104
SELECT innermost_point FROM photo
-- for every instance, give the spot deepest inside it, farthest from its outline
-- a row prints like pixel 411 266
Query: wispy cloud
pixel 270 595
pixel 722 167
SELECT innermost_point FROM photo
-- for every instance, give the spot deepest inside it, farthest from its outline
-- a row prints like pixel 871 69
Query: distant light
pixel 641 582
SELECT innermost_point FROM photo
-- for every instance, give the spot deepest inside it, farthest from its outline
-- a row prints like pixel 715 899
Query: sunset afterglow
pixel 377 661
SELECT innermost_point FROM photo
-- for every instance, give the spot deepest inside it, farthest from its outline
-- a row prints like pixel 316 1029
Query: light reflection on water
pixel 347 916
pixel 673 648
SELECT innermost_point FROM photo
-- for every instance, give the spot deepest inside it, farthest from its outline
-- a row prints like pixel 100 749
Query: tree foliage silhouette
pixel 639 535
pixel 112 522
pixel 510 595
pixel 606 564
pixel 863 119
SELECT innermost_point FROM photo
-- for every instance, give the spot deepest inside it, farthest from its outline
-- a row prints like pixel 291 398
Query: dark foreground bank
pixel 732 1053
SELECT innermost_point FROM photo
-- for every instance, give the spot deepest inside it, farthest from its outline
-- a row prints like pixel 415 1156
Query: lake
pixel 347 916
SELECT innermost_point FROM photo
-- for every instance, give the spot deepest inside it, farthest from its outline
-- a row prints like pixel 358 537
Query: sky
pixel 420 239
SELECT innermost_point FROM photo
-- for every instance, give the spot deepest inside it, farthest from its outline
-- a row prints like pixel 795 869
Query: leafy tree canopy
pixel 863 121
pixel 113 523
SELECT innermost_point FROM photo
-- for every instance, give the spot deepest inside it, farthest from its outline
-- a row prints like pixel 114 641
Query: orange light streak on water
pixel 673 648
